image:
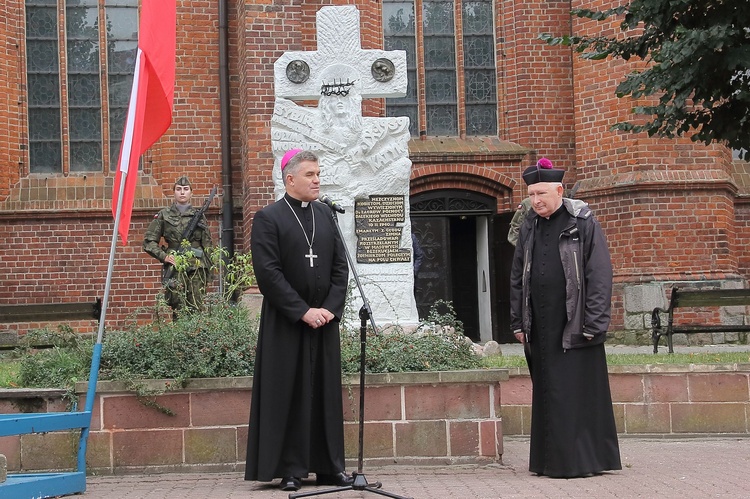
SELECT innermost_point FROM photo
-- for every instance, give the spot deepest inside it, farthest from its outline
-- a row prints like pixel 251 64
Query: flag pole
pixel 124 167
pixel 111 264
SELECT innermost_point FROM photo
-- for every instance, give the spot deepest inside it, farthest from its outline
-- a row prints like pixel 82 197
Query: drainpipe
pixel 227 219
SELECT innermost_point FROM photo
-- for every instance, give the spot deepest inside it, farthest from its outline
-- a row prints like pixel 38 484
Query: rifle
pixel 169 269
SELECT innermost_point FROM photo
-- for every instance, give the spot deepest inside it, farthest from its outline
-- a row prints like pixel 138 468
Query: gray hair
pixel 292 167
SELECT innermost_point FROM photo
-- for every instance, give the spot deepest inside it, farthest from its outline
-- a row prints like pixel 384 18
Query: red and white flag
pixel 151 99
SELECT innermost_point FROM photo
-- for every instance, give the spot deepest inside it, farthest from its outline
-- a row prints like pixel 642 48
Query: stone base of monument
pixel 252 300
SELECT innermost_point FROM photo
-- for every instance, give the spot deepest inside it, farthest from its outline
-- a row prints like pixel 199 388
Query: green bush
pixel 438 344
pixel 218 342
pixel 428 350
pixel 66 362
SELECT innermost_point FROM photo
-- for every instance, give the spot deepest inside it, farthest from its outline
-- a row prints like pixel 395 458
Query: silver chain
pixel 304 232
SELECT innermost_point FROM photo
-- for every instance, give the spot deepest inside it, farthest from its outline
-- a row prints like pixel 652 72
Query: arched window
pixel 451 53
pixel 78 81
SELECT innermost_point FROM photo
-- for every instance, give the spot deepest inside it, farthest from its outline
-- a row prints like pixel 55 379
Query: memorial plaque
pixel 378 237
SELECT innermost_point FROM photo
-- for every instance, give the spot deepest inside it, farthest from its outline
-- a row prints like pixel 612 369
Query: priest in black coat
pixel 561 292
pixel 296 414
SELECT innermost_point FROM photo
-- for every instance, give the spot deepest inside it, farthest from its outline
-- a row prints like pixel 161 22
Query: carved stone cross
pixel 360 157
pixel 379 73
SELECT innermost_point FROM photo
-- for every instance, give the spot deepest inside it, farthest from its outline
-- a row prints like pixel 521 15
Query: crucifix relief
pixel 360 157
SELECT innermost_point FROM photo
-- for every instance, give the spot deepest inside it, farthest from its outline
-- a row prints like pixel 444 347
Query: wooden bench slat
pixel 49 312
pixel 712 298
pixel 718 328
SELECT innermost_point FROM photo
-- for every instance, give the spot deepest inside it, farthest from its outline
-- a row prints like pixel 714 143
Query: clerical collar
pixel 296 202
pixel 558 211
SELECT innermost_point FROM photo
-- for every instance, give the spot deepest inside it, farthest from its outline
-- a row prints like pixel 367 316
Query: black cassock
pixel 296 415
pixel 573 429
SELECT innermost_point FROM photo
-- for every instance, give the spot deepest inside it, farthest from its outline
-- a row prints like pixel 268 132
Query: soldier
pixel 186 288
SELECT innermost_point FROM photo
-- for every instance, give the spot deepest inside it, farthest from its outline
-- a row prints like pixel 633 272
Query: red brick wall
pixel 667 207
pixel 671 401
pixel 13 71
pixel 417 418
pixel 58 229
pixel 414 418
pixel 742 241
pixel 536 80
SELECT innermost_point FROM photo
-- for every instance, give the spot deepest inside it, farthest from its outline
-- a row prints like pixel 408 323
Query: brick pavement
pixel 658 467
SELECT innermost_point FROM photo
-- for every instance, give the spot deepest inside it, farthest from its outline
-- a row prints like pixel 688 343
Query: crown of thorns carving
pixel 336 88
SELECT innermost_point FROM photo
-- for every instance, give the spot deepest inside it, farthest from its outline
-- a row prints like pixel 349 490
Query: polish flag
pixel 151 98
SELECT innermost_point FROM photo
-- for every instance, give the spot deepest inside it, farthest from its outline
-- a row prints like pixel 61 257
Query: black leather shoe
pixel 290 483
pixel 340 479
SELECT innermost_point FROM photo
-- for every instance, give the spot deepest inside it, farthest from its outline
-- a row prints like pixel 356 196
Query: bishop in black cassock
pixel 296 415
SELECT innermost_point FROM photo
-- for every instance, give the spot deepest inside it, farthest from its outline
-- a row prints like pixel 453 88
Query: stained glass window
pixel 42 54
pixel 122 46
pixel 400 34
pixel 479 68
pixel 436 70
pixel 84 86
pixel 80 114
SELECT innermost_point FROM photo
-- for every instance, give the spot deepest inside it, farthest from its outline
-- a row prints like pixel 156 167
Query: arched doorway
pixel 467 259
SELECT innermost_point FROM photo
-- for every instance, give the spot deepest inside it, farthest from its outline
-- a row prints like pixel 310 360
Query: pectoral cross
pixel 311 256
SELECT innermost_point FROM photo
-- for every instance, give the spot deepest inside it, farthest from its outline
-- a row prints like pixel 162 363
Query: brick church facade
pixel 673 211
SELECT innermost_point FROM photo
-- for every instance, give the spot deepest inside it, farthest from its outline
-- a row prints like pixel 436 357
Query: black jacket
pixel 588 275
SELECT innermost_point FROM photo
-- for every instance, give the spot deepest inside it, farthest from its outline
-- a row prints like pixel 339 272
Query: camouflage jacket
pixel 515 224
pixel 169 224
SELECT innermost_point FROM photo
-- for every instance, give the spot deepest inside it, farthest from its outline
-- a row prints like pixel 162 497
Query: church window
pixel 78 78
pixel 450 53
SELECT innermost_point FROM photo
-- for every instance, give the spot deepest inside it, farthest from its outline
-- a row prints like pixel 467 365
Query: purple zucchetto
pixel 542 172
pixel 289 155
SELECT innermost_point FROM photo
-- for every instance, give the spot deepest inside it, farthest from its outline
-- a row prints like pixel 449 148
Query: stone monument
pixel 364 161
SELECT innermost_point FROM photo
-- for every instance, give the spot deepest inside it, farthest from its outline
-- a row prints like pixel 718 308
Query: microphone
pixel 331 203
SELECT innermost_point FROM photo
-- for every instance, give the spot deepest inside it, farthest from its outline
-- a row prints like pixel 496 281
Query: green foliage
pixel 185 259
pixel 443 314
pixel 697 54
pixel 61 366
pixel 8 374
pixel 437 345
pixel 403 352
pixel 218 342
pixel 237 273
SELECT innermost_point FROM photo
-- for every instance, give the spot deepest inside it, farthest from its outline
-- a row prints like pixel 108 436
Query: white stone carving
pixel 359 156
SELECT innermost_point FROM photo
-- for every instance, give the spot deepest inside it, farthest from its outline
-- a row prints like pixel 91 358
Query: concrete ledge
pixel 410 418
pixel 663 399
pixel 436 418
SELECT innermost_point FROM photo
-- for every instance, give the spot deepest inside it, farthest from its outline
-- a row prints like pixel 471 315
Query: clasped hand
pixel 317 317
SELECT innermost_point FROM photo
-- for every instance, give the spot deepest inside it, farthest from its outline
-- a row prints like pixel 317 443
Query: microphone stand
pixel 365 314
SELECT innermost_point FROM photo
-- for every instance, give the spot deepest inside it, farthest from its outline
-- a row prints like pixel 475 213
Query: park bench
pixel 39 485
pixel 695 298
pixel 47 312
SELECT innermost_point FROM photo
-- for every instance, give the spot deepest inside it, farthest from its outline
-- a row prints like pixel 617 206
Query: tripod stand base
pixel 360 483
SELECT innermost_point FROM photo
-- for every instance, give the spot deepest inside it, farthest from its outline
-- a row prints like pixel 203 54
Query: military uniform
pixel 518 217
pixel 169 224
